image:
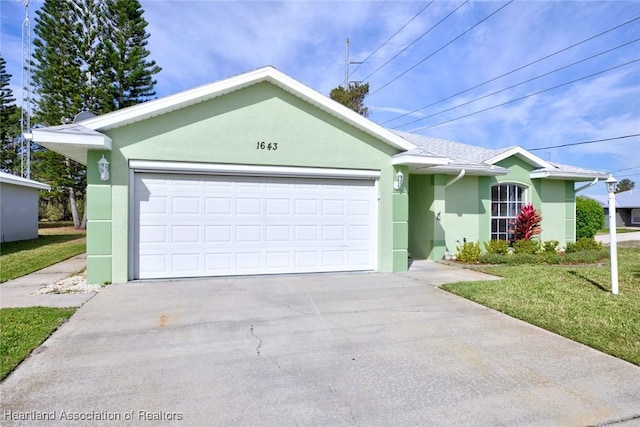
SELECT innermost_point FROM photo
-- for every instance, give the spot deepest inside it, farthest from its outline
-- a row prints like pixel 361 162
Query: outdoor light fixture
pixel 613 245
pixel 397 184
pixel 103 167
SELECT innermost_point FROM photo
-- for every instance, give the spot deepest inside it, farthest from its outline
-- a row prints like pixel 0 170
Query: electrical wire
pixel 390 38
pixel 438 50
pixel 415 41
pixel 527 96
pixel 517 84
pixel 626 169
pixel 514 70
pixel 588 142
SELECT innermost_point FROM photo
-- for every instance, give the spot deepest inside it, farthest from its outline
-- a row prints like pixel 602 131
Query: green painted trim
pixel 98 269
pixel 400 260
pixel 400 235
pixel 99 242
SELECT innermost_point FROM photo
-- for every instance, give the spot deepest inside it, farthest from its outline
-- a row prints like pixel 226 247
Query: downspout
pixel 456 179
pixel 591 184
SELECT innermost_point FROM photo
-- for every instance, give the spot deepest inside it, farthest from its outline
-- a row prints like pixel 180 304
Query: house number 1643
pixel 261 145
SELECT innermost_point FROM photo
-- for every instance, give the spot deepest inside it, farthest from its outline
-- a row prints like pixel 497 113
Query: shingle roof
pixel 626 200
pixel 481 158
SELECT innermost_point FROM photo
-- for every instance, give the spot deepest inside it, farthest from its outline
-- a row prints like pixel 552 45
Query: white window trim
pixel 525 200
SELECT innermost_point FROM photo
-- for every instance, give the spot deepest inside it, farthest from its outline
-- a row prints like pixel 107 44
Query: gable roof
pixel 8 178
pixel 71 135
pixel 482 161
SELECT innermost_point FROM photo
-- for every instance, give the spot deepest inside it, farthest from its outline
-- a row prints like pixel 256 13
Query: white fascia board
pixel 249 170
pixel 470 170
pixel 419 160
pixel 23 182
pixel 74 145
pixel 531 158
pixel 564 175
pixel 269 74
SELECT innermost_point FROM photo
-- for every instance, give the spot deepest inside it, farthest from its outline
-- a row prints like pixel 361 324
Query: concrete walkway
pixel 20 292
pixel 362 349
pixel 620 237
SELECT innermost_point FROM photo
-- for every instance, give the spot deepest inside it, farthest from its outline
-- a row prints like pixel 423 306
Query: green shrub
pixel 590 256
pixel 550 258
pixel 583 244
pixel 589 217
pixel 550 246
pixel 494 258
pixel 524 258
pixel 526 247
pixel 500 247
pixel 469 252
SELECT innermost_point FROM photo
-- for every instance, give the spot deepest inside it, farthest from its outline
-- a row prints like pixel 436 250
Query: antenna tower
pixel 25 120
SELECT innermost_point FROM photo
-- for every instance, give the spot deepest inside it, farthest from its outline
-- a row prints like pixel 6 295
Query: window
pixel 635 216
pixel 506 202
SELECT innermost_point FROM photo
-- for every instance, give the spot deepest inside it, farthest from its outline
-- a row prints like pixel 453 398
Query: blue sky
pixel 196 42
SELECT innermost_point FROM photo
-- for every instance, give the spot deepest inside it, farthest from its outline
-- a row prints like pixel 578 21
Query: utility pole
pixel 347 63
pixel 25 119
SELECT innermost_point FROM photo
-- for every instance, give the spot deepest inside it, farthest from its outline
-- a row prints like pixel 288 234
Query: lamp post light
pixel 613 245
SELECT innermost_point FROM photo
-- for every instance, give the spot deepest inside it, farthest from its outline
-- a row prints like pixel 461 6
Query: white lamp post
pixel 613 245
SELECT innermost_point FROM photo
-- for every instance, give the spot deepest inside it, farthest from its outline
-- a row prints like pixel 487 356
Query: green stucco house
pixel 259 174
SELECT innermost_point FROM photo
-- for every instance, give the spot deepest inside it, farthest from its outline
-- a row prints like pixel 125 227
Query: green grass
pixel 24 257
pixel 24 329
pixel 572 301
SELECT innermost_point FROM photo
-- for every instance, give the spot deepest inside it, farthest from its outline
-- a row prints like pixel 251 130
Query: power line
pixel 438 50
pixel 394 34
pixel 588 142
pixel 416 40
pixel 626 169
pixel 516 85
pixel 527 96
pixel 515 70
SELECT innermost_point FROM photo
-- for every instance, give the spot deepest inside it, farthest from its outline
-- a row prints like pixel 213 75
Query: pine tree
pixel 90 55
pixel 353 97
pixel 126 40
pixel 9 124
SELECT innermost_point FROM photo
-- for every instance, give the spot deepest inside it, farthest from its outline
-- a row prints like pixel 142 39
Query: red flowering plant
pixel 527 223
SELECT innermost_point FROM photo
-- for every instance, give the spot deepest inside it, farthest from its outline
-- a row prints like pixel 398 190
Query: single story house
pixel 627 208
pixel 260 174
pixel 19 202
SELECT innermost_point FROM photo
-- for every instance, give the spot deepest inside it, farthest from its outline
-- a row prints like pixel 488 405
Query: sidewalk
pixel 620 237
pixel 20 292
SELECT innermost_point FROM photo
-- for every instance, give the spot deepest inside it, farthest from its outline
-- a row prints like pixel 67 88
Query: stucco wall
pixel 226 130
pixel 18 212
pixel 465 208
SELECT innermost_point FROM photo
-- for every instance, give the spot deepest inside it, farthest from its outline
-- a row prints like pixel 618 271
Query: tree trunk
pixel 74 208
pixel 83 225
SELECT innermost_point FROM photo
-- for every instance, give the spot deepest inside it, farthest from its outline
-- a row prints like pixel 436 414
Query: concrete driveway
pixel 330 350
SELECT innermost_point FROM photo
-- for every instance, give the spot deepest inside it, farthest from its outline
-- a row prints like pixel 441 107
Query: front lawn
pixel 24 329
pixel 56 242
pixel 572 301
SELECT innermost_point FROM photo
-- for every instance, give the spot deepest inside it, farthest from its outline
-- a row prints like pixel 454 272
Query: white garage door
pixel 205 225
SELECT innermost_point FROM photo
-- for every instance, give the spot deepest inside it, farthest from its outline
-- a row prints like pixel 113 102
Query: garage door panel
pixel 195 225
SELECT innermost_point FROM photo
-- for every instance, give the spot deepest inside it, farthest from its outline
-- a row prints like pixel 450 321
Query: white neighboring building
pixel 19 207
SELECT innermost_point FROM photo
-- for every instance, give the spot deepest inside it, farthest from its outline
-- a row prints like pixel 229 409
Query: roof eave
pixel 70 144
pixel 567 176
pixel 424 161
pixel 23 182
pixel 519 151
pixel 470 170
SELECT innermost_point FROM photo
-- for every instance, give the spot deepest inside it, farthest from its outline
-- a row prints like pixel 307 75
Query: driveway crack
pixel 258 339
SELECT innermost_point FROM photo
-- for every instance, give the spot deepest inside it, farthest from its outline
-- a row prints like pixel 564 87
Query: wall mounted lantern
pixel 397 184
pixel 103 167
pixel 613 245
